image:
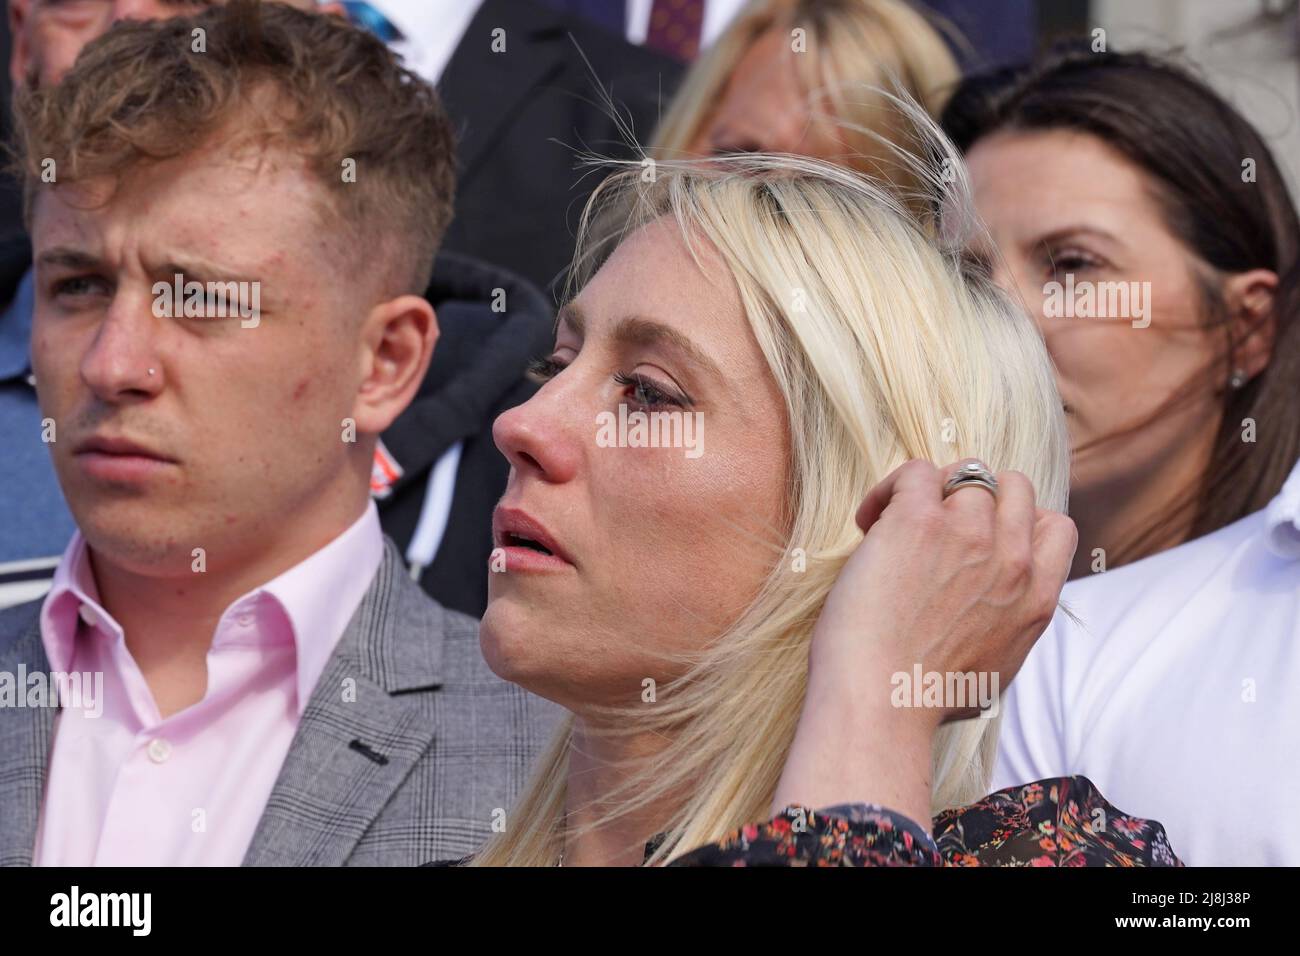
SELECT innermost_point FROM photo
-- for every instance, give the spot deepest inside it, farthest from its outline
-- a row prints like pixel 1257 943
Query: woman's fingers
pixel 1016 519
pixel 916 482
pixel 1055 540
pixel 963 584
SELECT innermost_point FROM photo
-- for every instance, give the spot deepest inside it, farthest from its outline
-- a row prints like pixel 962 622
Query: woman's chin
pixel 510 643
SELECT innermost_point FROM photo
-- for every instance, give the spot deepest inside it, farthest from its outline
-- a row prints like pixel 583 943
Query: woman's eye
pixel 648 394
pixel 1070 261
pixel 542 370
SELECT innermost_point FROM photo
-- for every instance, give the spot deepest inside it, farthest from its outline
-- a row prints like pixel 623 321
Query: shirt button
pixel 88 615
pixel 159 750
pixel 244 620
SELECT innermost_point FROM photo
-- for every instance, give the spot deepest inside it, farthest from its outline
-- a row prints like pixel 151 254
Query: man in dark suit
pixel 232 664
pixel 526 86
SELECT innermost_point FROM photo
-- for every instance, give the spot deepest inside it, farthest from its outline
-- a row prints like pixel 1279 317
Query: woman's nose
pixel 543 436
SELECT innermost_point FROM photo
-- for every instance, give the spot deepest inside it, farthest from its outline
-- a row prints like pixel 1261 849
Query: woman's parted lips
pixel 514 527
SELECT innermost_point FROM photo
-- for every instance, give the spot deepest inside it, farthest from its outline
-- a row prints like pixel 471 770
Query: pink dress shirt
pixel 128 788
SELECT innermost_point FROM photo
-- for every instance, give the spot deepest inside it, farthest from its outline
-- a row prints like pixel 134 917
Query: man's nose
pixel 123 361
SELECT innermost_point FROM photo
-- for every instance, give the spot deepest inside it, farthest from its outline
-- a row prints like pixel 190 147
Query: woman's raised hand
pixel 963 583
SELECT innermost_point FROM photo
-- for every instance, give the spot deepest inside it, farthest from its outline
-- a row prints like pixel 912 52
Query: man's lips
pixel 526 543
pixel 119 459
pixel 105 445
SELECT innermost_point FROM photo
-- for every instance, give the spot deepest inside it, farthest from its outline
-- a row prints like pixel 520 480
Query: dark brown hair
pixel 307 83
pixel 1191 145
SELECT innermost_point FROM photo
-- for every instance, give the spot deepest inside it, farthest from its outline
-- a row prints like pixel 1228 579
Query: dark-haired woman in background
pixel 1125 168
pixel 1177 693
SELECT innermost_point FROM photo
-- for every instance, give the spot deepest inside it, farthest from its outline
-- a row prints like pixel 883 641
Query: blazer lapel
pixel 25 737
pixel 483 88
pixel 362 730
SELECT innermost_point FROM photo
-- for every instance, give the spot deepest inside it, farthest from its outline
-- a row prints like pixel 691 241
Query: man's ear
pixel 397 340
pixel 20 47
pixel 1250 297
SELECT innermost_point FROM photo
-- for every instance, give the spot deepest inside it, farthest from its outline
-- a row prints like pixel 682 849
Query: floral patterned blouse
pixel 1063 821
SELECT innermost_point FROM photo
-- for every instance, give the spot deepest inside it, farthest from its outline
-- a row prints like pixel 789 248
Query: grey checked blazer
pixel 410 771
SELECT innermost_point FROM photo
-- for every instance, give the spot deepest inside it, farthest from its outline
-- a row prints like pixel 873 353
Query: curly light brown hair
pixel 264 74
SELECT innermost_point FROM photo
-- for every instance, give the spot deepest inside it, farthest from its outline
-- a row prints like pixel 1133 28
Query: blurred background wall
pixel 1246 48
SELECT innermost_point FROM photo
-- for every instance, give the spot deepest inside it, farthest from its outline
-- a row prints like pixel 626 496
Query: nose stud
pixel 151 371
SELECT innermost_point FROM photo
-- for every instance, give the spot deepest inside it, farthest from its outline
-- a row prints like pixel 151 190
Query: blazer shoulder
pixel 17 621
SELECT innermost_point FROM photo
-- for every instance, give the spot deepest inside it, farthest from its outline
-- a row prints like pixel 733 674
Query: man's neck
pixel 169 621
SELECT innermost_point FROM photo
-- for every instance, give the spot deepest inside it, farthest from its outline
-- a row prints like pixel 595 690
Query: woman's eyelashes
pixel 1069 260
pixel 542 370
pixel 640 390
pixel 649 395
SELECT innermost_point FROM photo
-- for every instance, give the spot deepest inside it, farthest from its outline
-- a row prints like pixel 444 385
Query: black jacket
pixel 15 260
pixel 477 372
pixel 523 114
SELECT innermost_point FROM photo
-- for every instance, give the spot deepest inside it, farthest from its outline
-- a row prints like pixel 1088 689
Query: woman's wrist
pixel 853 746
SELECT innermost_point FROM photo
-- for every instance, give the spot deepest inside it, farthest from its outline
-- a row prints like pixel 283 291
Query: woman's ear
pixel 1249 297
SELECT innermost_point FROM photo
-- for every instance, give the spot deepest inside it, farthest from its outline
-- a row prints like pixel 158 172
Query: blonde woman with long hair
pixel 804 77
pixel 700 595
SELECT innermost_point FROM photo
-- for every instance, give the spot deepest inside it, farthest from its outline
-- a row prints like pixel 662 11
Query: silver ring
pixel 971 473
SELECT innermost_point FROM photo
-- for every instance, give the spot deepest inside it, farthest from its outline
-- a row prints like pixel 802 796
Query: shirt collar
pixel 418 18
pixel 431 31
pixel 16 330
pixel 317 596
pixel 73 598
pixel 320 595
pixel 1282 519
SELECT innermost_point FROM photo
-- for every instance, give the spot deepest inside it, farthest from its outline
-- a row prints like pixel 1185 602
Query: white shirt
pixel 718 15
pixel 431 31
pixel 1180 696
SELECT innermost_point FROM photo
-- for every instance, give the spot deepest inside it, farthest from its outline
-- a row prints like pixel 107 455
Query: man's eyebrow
pixel 198 268
pixel 69 258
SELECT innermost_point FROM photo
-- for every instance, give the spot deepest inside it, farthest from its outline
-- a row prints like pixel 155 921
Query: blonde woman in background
pixel 804 77
pixel 728 643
